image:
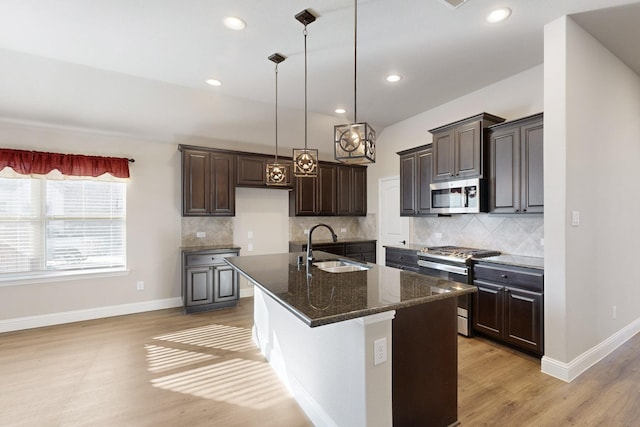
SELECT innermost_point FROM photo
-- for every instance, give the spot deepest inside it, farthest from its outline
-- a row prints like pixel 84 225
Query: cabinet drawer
pixel 207 259
pixel 404 257
pixel 510 275
pixel 358 248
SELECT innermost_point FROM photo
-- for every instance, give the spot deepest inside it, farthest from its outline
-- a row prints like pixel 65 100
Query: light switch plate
pixel 201 234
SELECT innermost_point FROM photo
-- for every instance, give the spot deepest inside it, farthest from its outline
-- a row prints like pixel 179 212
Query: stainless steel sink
pixel 341 266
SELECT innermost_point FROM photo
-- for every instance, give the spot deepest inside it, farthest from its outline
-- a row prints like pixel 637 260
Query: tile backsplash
pixel 355 227
pixel 514 235
pixel 218 231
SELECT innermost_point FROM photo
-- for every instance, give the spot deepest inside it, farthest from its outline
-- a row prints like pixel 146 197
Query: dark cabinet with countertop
pixel 509 304
pixel 208 183
pixel 415 178
pixel 459 148
pixel 361 249
pixel 516 182
pixel 208 283
pixel 402 258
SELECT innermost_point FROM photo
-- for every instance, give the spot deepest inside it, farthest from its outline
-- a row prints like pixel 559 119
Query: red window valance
pixel 41 163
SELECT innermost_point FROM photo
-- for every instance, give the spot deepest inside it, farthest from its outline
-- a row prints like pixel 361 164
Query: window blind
pixel 59 225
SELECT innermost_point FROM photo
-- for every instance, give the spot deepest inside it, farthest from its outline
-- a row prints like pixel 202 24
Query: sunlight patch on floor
pixel 240 382
pixel 161 359
pixel 214 336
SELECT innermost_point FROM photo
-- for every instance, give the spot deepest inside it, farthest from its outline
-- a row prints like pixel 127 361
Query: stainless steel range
pixel 453 263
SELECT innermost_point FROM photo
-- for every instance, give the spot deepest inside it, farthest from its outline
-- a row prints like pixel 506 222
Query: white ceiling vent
pixel 454 4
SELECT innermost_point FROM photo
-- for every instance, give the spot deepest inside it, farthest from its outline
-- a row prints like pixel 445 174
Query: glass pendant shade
pixel 276 172
pixel 355 143
pixel 305 160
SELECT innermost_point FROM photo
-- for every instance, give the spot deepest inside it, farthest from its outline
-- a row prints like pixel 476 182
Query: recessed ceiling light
pixel 234 23
pixel 498 15
pixel 392 78
pixel 214 82
pixel 340 111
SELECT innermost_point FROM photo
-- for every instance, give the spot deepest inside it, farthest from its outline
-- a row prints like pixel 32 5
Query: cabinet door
pixel 199 283
pixel 468 151
pixel 251 171
pixel 344 190
pixel 443 150
pixel 196 182
pixel 223 193
pixel 225 283
pixel 504 174
pixel 523 319
pixel 488 309
pixel 306 200
pixel 359 192
pixel 327 179
pixel 408 180
pixel 423 194
pixel 532 168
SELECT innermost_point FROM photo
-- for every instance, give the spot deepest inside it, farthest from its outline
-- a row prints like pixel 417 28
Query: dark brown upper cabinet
pixel 351 191
pixel 516 181
pixel 415 178
pixel 338 190
pixel 251 171
pixel 459 150
pixel 208 180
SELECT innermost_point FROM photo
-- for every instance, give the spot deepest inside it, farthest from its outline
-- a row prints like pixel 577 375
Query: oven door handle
pixel 444 267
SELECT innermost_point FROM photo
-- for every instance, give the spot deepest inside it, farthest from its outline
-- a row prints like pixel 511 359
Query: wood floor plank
pixel 164 368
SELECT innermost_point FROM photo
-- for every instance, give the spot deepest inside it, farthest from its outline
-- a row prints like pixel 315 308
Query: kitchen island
pixel 374 347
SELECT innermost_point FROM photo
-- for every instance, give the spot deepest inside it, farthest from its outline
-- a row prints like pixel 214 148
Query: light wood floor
pixel 163 368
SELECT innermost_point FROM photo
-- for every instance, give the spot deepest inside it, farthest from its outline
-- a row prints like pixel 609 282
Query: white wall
pixel 153 228
pixel 592 107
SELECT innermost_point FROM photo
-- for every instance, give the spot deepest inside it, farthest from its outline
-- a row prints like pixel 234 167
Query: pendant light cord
pixel 305 87
pixel 355 62
pixel 276 113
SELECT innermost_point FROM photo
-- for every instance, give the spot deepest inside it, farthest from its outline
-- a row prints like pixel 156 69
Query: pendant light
pixel 276 172
pixel 305 161
pixel 355 142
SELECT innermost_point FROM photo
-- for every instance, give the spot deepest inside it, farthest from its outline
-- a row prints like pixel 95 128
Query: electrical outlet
pixel 250 247
pixel 140 285
pixel 201 234
pixel 575 218
pixel 343 230
pixel 306 231
pixel 380 351
pixel 250 235
pixel 438 235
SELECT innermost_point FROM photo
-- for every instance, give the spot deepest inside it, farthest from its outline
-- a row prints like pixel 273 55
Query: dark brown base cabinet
pixel 208 283
pixel 361 250
pixel 403 259
pixel 509 305
pixel 516 181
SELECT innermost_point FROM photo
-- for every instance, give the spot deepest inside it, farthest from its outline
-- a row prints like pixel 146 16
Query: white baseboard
pixel 570 371
pixel 29 322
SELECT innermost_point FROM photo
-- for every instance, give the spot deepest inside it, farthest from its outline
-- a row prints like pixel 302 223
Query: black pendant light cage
pixel 355 142
pixel 276 172
pixel 305 160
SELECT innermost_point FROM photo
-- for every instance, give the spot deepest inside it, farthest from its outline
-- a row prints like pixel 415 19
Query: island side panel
pixel 425 365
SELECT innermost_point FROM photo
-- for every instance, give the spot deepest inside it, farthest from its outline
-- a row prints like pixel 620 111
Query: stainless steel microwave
pixel 464 196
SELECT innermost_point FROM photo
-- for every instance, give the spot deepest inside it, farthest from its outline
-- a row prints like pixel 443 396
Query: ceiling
pixel 138 67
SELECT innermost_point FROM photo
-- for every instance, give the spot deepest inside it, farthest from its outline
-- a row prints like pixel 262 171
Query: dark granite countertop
pixel 209 248
pixel 515 260
pixel 322 298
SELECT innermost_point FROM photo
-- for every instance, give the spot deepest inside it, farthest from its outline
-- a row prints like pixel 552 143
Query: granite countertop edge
pixel 515 260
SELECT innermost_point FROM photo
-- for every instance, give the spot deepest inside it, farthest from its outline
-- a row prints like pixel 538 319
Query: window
pixel 49 225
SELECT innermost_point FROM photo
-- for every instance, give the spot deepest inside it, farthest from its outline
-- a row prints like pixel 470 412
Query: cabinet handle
pixel 404 242
pixel 504 276
pixel 524 210
pixel 400 257
pixel 517 210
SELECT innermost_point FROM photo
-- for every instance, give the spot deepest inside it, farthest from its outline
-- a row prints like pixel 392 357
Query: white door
pixel 394 229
